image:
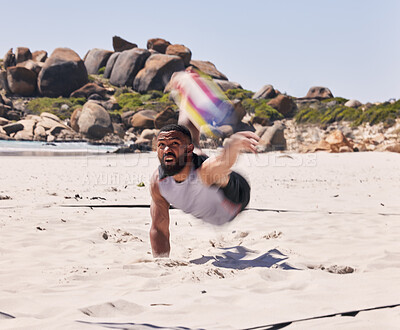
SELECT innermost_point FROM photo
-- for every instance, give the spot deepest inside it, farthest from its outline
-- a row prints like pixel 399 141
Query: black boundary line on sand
pixel 246 209
pixel 280 325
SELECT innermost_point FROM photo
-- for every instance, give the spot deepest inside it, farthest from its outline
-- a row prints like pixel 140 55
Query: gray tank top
pixel 192 196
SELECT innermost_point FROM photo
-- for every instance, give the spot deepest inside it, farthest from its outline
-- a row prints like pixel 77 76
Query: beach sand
pixel 335 249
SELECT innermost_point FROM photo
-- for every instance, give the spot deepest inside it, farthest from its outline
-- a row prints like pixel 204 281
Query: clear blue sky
pixel 350 46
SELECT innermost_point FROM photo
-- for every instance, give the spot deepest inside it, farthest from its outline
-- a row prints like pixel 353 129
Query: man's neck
pixel 183 175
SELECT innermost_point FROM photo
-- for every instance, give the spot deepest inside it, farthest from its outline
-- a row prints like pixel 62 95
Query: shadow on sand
pixel 237 257
pixel 134 326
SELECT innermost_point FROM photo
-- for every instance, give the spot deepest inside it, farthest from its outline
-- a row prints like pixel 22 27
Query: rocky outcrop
pixel 226 85
pixel 337 140
pixel 63 73
pixel 12 128
pixel 95 59
pixel 110 65
pixel 22 54
pixel 32 65
pixel 158 44
pixel 26 133
pixel 21 81
pixel 94 121
pixel 127 65
pixel 74 119
pixel 273 138
pixel 353 104
pixel 120 44
pixel 88 90
pixel 157 72
pixel 9 59
pixel 208 68
pixel 266 92
pixel 165 117
pixel 182 51
pixel 143 119
pixel 319 93
pixel 283 104
pixel 39 56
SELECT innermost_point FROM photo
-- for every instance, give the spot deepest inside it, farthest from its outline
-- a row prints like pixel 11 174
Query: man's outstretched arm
pixel 159 231
pixel 216 170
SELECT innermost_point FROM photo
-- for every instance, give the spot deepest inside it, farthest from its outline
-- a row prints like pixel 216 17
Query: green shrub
pixel 261 109
pixel 53 105
pixel 154 100
pixel 340 100
pixel 386 113
pixel 238 93
pixel 101 70
pixel 129 101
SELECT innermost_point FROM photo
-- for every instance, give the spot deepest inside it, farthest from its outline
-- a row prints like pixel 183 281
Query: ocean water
pixel 32 148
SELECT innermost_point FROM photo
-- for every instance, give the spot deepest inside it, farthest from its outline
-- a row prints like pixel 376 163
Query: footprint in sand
pixel 335 269
pixel 112 309
pixel 119 236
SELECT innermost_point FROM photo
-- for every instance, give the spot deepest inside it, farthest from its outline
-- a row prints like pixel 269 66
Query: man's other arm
pixel 159 210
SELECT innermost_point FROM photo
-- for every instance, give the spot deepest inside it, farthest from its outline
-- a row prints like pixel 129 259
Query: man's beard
pixel 171 170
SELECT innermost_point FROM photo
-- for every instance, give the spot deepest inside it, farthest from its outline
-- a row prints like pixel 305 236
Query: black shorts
pixel 237 190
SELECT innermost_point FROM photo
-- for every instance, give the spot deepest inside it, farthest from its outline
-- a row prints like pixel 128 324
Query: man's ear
pixel 190 148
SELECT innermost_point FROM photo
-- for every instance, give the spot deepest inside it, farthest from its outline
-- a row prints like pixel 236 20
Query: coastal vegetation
pixel 386 112
pixel 61 107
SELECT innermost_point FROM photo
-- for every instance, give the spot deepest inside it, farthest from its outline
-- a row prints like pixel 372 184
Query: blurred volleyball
pixel 202 100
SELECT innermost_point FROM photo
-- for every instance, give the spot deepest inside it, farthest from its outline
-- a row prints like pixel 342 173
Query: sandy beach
pixel 321 236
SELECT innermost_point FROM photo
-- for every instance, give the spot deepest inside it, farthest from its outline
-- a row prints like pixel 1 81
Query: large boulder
pixel 63 73
pixel 337 140
pixel 9 59
pixel 208 68
pixel 39 56
pixel 95 59
pixel 22 54
pixel 32 65
pixel 353 104
pixel 127 65
pixel 74 119
pixel 157 72
pixel 27 132
pixel 319 93
pixel 94 121
pixel 143 119
pixel 273 138
pixel 4 121
pixel 283 104
pixel 89 89
pixel 13 127
pixel 226 85
pixel 158 44
pixel 21 81
pixel 3 81
pixel 126 118
pixel 165 117
pixel 180 50
pixel 266 92
pixel 120 44
pixel 110 65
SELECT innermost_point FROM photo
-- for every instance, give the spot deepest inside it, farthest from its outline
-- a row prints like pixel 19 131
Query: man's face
pixel 173 148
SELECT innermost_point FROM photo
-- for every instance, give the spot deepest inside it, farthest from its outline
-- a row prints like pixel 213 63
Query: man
pixel 204 187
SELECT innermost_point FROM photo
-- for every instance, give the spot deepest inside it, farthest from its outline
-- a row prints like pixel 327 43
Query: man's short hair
pixel 178 128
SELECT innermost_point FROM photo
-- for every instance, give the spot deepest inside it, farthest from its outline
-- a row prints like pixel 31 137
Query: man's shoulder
pixel 198 160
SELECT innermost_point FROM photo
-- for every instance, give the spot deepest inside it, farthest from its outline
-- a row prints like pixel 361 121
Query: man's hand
pixel 216 170
pixel 242 141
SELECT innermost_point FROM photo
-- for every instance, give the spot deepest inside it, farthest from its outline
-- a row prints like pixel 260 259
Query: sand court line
pixel 352 313
pixel 246 209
